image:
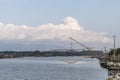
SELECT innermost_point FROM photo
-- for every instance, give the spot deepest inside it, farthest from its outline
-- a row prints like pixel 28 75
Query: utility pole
pixel 114 46
pixel 71 46
pixel 105 50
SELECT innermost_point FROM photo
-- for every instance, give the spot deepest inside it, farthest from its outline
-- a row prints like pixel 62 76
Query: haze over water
pixel 51 68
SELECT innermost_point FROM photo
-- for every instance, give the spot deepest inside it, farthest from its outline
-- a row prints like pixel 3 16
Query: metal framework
pixel 88 48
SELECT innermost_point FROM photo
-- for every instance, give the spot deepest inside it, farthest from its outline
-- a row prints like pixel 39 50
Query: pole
pixel 114 46
pixel 105 50
pixel 71 46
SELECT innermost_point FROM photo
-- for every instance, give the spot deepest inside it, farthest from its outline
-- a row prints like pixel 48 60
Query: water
pixel 51 68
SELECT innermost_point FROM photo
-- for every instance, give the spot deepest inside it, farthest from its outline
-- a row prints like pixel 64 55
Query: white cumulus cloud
pixel 69 28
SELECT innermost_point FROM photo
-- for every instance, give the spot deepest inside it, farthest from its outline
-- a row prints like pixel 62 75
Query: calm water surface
pixel 51 68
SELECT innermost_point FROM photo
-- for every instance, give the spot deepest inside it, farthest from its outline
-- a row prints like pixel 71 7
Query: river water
pixel 51 68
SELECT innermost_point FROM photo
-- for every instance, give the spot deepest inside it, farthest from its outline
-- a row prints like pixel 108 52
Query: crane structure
pixel 86 47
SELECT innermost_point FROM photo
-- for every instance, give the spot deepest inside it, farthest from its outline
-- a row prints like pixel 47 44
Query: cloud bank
pixel 69 28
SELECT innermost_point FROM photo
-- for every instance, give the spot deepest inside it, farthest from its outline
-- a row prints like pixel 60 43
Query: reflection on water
pixel 51 68
pixel 71 60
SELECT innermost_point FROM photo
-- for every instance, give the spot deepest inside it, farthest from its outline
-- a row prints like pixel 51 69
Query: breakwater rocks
pixel 115 77
pixel 112 63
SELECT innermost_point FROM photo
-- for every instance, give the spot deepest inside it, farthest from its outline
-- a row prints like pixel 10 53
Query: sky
pixel 48 24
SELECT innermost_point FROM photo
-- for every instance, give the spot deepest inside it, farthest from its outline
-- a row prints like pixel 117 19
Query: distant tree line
pixel 37 53
pixel 115 52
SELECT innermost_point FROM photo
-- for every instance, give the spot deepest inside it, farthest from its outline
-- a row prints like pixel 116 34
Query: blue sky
pixel 99 15
pixel 95 15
